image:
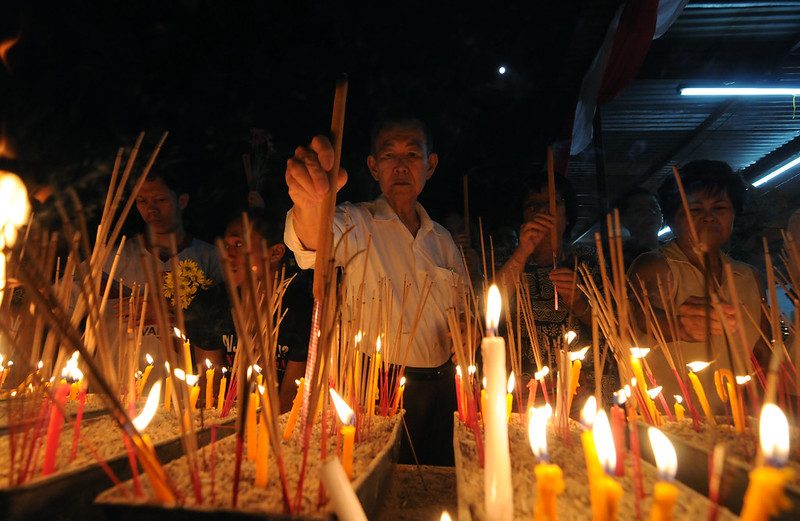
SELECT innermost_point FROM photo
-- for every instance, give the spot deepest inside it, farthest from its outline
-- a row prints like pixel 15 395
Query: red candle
pixel 54 428
pixel 78 419
pixel 618 431
pixel 458 394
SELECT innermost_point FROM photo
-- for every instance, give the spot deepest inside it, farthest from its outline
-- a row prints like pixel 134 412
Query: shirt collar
pixel 385 212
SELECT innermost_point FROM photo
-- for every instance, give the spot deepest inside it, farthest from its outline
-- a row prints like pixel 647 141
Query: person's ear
pixel 372 164
pixel 433 162
pixel 276 253
pixel 183 201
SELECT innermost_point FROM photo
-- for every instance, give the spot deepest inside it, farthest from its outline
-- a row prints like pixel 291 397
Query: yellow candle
pixel 764 497
pixel 398 398
pixel 664 493
pixel 74 389
pixel 146 373
pixel 262 454
pixel 251 431
pixel 187 356
pixel 724 382
pixel 73 375
pixel 295 412
pixel 695 367
pixel 680 411
pixel 146 451
pixel 637 355
pixel 576 358
pixel 194 393
pixel 588 415
pixel 605 491
pixel 374 371
pixel 549 478
pixel 483 401
pixel 168 394
pixel 209 385
pixel 348 431
pixel 221 396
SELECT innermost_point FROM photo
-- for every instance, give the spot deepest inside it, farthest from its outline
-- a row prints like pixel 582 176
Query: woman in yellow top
pixel 715 196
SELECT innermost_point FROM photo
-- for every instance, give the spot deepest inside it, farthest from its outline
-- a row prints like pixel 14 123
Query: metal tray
pixel 368 486
pixel 69 495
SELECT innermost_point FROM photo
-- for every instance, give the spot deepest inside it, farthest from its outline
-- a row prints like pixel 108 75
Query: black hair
pixel 174 176
pixel 564 187
pixel 713 177
pixel 400 120
pixel 267 224
pixel 624 200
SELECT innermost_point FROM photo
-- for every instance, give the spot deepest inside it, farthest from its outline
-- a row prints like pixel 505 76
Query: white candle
pixel 345 501
pixel 498 490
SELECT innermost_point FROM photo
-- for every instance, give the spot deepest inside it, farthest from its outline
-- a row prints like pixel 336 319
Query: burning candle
pixel 15 209
pixel 348 431
pixel 222 383
pixel 4 370
pixel 637 355
pixel 680 411
pixel 459 398
pixel 510 395
pixel 665 493
pixel 209 385
pixel 576 358
pixel 262 450
pixel 726 390
pixel 498 489
pixel 696 367
pixel 398 398
pixel 54 428
pixel 147 455
pixel 296 404
pixel 78 420
pixel 194 390
pixel 167 388
pixel 344 499
pixel 187 351
pixel 251 427
pixel 146 373
pixel 588 415
pixel 605 492
pixel 538 376
pixel 764 497
pixel 73 376
pixel 549 478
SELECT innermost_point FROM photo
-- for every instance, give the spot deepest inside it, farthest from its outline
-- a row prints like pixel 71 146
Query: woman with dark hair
pixel 715 196
pixel 534 260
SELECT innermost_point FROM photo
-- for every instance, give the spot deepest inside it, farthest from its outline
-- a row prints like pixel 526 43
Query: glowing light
pixel 71 373
pixel 208 363
pixel 403 381
pixel 458 371
pixel 178 333
pixel 150 408
pixel 739 91
pixel 501 70
pixel 654 392
pixel 570 336
pixel 471 370
pixel 741 380
pixel 604 442
pixel 664 453
pixel 620 397
pixel 511 382
pixel 696 367
pixel 537 429
pixel 774 435
pixel 378 344
pixel 342 409
pixel 148 358
pixel 358 337
pixel 6 46
pixel 445 516
pixel 579 354
pixel 639 352
pixel 678 398
pixel 665 230
pixel 539 375
pixel 775 173
pixel 589 412
pixel 493 301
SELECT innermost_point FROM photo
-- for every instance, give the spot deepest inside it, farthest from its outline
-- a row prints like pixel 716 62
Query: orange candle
pixel 549 477
pixel 209 385
pixel 348 431
pixel 296 404
pixel 222 383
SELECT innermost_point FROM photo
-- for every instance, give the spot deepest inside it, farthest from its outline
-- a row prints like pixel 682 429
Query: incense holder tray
pixel 69 495
pixel 369 486
pixel 693 468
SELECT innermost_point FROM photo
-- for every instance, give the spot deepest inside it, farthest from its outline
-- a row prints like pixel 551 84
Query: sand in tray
pixel 270 499
pixel 574 503
pixel 105 436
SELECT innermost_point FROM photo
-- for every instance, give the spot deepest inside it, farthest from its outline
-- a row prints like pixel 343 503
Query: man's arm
pixel 307 180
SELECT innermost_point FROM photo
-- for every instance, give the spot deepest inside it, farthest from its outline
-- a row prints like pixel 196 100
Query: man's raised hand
pixel 307 173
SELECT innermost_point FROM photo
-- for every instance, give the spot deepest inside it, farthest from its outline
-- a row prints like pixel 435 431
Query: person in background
pixel 208 318
pixel 640 214
pixel 715 196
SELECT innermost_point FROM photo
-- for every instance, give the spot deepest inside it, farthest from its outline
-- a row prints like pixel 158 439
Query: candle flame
pixel 344 411
pixel 579 354
pixel 539 375
pixel 774 434
pixel 445 516
pixel 620 397
pixel 458 371
pixel 570 336
pixel 741 380
pixel 604 442
pixel 678 398
pixel 484 382
pixel 297 382
pixel 166 366
pixel 71 373
pixel 208 363
pixel 403 381
pixel 511 382
pixel 378 344
pixel 633 383
pixel 639 352
pixel 472 370
pixel 15 209
pixel 40 364
pixel 261 390
pixel 9 363
pixel 537 429
pixel 664 452
pixel 180 374
pixel 150 408
pixel 192 379
pixel 696 367
pixel 178 333
pixel 589 412
pixel 257 368
pixel 224 370
pixel 493 304
pixel 654 392
pixel 358 337
pixel 148 358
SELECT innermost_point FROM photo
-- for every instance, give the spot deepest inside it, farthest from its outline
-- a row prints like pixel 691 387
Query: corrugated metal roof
pixel 651 122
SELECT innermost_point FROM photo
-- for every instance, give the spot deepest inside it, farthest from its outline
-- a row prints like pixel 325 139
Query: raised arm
pixel 306 178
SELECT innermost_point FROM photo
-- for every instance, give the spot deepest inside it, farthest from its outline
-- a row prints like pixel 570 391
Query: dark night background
pixel 86 77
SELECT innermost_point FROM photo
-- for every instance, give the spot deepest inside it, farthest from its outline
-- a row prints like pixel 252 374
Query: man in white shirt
pixel 405 248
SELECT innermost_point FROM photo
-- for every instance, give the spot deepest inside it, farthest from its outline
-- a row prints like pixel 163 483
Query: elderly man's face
pixel 401 163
